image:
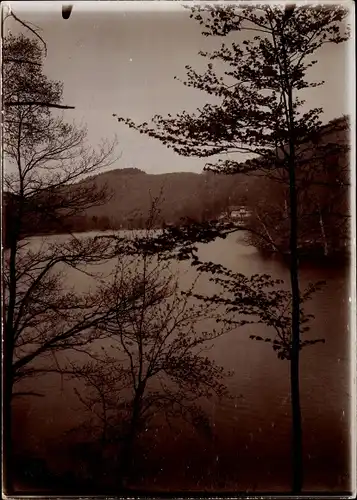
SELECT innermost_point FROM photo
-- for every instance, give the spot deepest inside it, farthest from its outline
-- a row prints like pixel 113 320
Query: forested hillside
pixel 182 194
pixel 323 198
pixel 323 178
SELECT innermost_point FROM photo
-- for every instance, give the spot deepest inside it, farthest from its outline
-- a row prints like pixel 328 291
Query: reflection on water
pixel 250 445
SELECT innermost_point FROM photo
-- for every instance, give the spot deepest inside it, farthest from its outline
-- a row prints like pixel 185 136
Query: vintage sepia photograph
pixel 178 249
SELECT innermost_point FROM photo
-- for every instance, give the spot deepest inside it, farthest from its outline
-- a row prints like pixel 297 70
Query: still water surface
pixel 250 446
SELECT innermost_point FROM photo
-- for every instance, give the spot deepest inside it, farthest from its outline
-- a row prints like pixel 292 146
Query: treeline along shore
pixel 323 209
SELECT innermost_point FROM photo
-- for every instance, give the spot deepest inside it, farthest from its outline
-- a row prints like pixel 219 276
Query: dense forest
pixel 323 199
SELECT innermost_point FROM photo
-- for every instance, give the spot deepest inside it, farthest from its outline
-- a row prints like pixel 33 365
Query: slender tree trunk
pixel 272 244
pixel 8 464
pixel 295 350
pixel 323 234
pixel 297 462
pixel 127 451
pixel 7 388
pixel 296 445
pixel 16 210
pixel 8 352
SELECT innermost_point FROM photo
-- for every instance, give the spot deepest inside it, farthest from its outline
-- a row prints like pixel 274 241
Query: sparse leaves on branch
pixel 46 162
pixel 250 117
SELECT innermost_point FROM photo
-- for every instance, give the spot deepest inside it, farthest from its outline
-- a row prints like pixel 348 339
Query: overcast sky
pixel 122 58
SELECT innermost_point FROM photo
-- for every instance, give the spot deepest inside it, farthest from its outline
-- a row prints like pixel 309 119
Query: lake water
pixel 250 446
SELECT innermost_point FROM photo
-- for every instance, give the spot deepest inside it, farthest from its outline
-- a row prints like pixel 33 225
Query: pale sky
pixel 121 57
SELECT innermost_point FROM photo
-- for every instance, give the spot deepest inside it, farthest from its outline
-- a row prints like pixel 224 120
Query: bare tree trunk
pixel 8 348
pixel 295 348
pixel 7 384
pixel 273 246
pixel 296 449
pixel 286 208
pixel 323 234
pixel 129 440
pixel 297 463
